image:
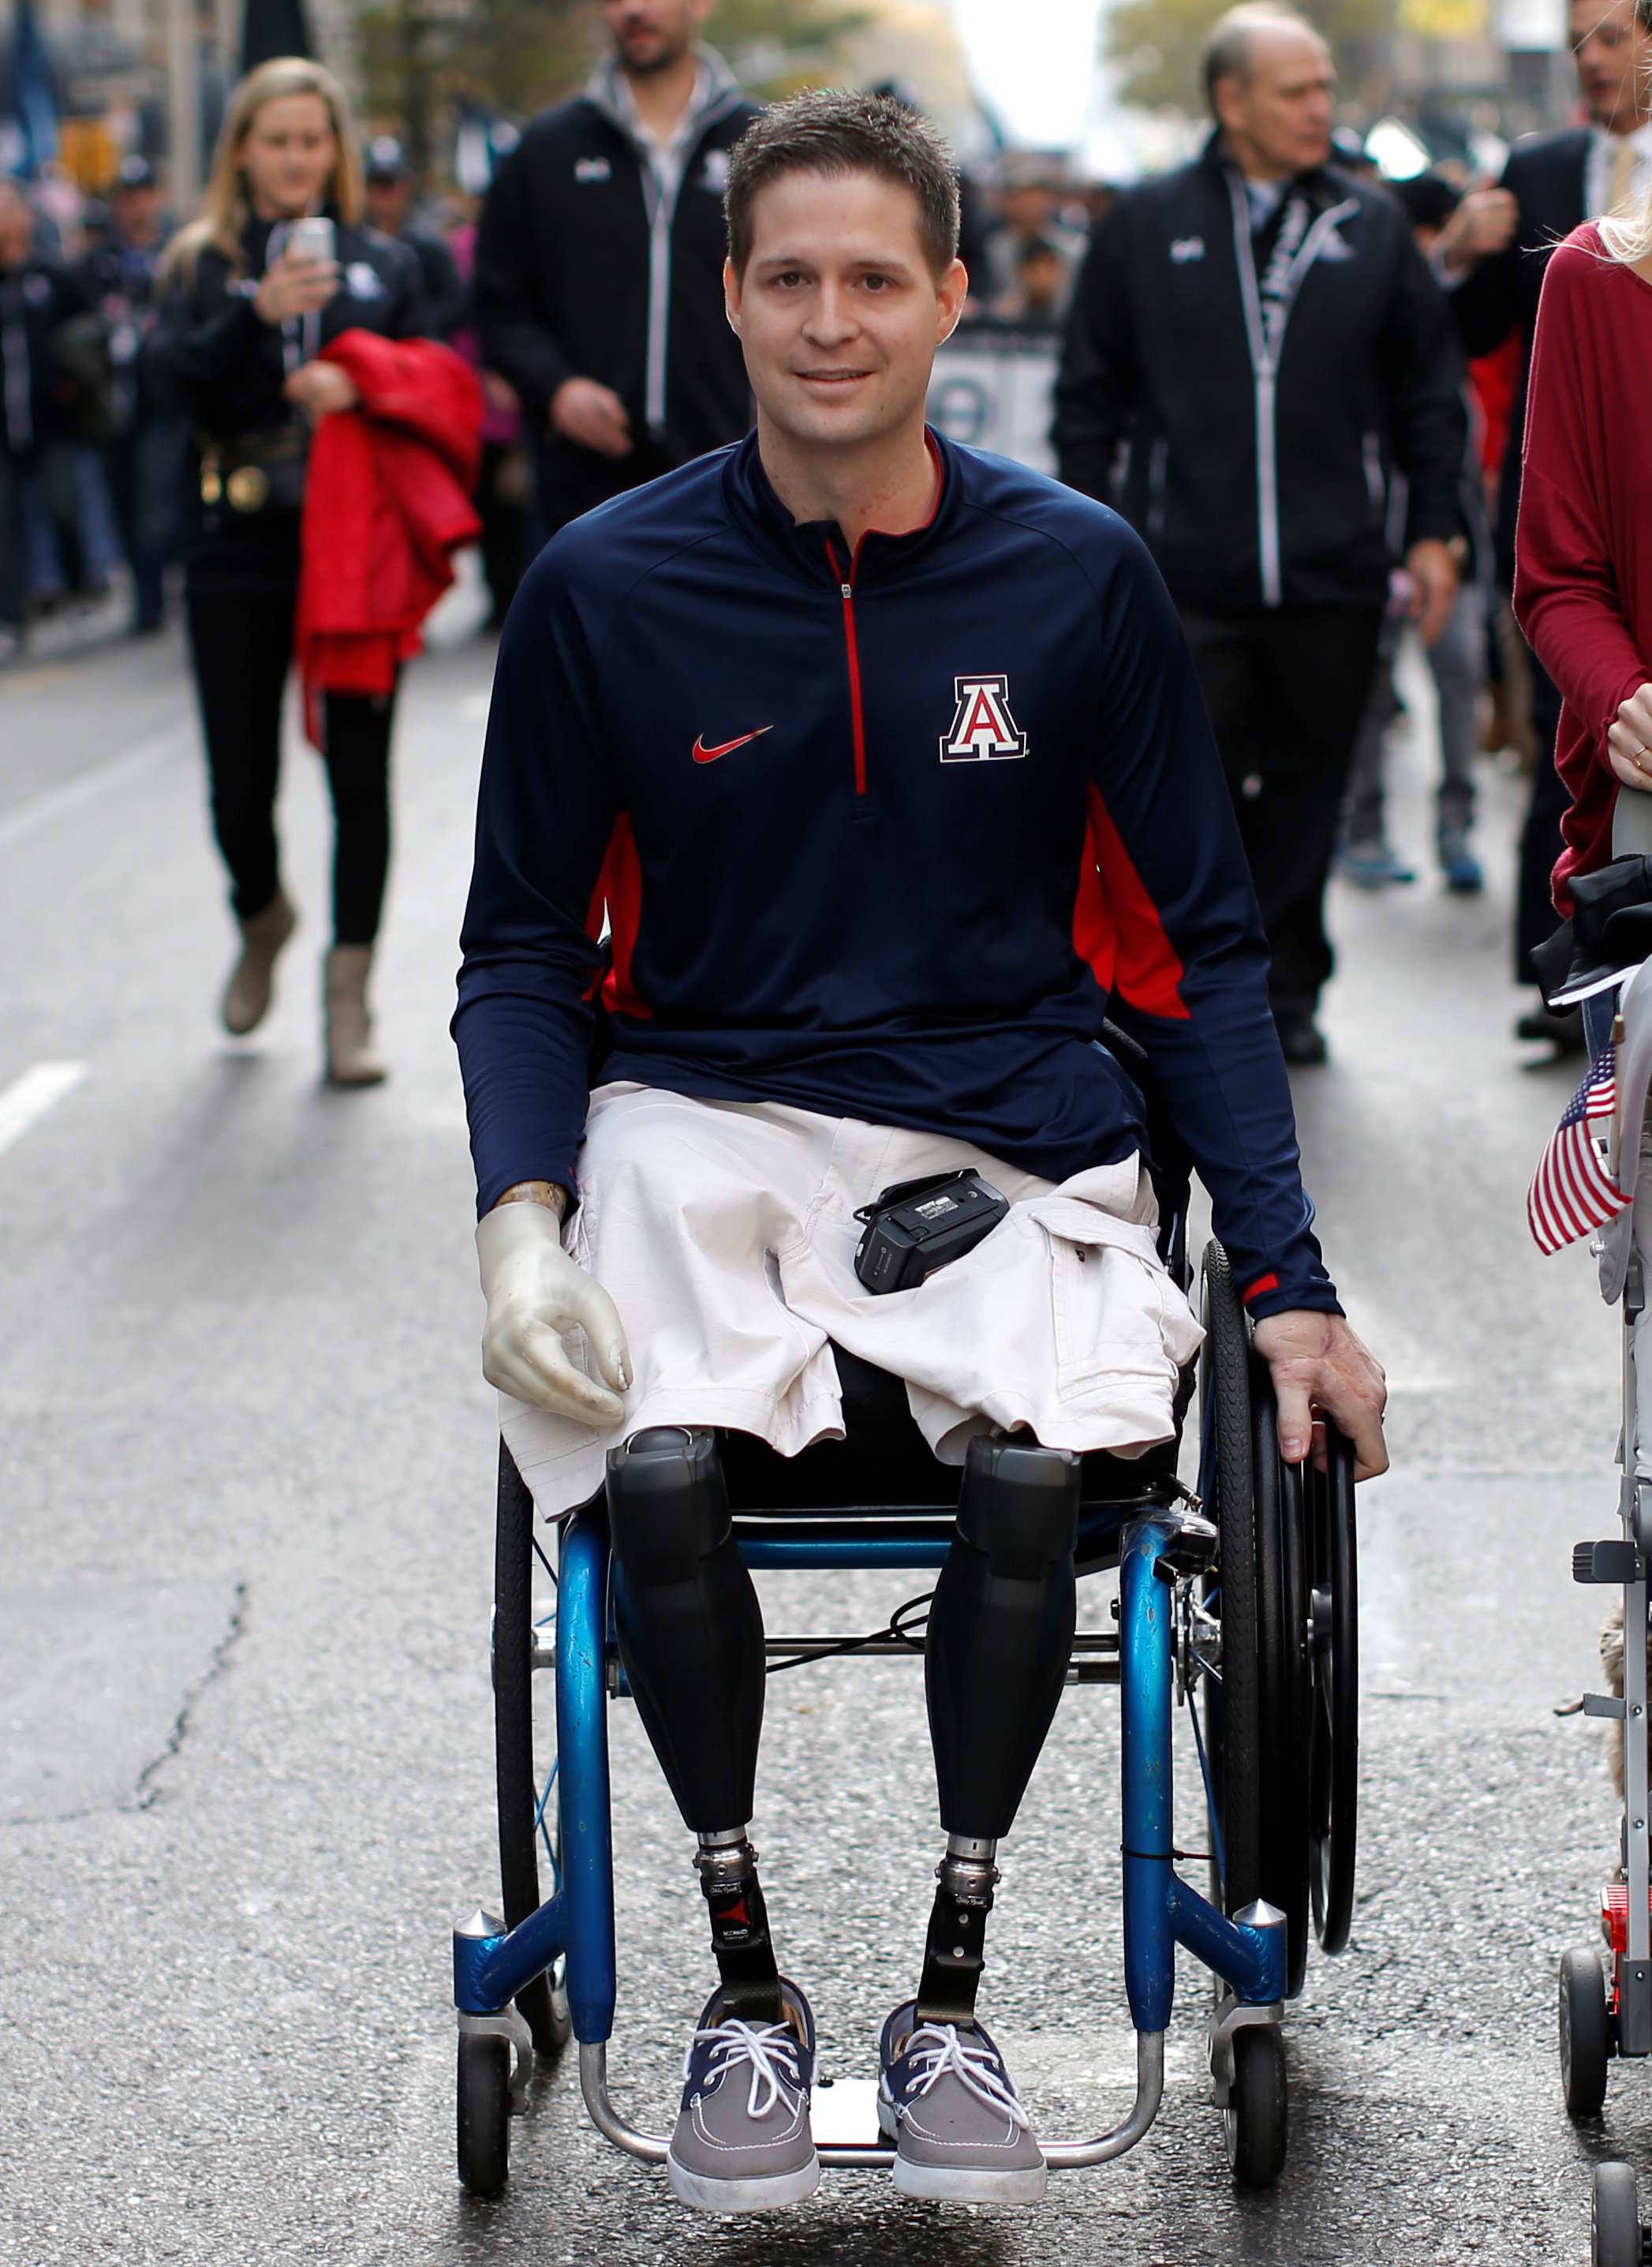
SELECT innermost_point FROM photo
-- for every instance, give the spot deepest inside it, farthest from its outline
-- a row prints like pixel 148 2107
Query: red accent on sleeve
pixel 619 893
pixel 1262 1283
pixel 1115 924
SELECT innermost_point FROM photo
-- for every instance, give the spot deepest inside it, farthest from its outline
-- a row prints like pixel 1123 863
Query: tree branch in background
pixel 1155 45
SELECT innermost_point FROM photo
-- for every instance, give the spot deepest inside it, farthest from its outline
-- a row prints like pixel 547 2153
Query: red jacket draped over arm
pixel 387 500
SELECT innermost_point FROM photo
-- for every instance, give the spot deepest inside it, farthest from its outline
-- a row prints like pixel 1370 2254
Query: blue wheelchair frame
pixel 491 1965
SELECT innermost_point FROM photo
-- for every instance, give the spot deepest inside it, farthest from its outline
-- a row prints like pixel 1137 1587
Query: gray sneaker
pixel 743 2140
pixel 951 2107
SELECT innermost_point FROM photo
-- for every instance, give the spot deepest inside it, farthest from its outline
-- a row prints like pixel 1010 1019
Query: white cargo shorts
pixel 725 1232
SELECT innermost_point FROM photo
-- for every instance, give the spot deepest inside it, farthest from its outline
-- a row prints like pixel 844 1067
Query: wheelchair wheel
pixel 1260 1711
pixel 1256 2121
pixel 1334 1700
pixel 543 2004
pixel 1585 2032
pixel 1615 2219
pixel 484 2135
pixel 1285 1675
pixel 1225 1482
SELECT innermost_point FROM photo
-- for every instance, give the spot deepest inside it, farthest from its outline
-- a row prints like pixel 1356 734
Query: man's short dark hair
pixel 832 134
pixel 1227 51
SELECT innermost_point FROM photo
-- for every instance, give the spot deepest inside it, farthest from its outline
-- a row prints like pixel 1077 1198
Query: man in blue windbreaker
pixel 847 776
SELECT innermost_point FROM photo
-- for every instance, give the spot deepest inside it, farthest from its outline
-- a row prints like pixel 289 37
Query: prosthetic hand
pixel 535 1293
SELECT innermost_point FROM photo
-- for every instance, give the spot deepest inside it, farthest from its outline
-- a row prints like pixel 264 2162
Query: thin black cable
pixel 896 1626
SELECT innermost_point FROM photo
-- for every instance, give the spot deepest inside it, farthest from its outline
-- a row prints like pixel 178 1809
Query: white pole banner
pixel 993 389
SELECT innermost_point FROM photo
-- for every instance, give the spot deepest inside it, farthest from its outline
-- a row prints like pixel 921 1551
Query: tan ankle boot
pixel 350 1058
pixel 247 998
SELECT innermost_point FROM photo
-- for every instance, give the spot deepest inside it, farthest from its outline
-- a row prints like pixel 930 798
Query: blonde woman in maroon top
pixel 1584 549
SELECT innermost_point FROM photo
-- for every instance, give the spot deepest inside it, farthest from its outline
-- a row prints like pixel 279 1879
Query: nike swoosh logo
pixel 705 755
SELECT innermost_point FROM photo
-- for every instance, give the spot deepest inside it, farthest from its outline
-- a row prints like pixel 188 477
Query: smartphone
pixel 312 239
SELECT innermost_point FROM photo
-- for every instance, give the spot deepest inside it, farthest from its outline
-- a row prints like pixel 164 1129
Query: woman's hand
pixel 319 388
pixel 295 287
pixel 1629 741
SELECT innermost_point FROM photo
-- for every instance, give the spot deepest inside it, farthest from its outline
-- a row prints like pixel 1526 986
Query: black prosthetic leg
pixel 995 1659
pixel 690 1637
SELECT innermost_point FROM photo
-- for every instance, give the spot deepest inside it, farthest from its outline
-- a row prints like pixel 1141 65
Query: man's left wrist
pixel 550 1194
pixel 1314 1299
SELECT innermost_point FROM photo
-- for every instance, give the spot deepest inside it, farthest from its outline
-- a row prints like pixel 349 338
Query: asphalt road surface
pixel 244 1733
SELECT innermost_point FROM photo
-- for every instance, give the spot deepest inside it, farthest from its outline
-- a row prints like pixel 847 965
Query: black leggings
pixel 241 646
pixel 1541 841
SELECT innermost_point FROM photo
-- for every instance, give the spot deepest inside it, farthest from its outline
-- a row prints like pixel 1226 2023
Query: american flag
pixel 1571 1191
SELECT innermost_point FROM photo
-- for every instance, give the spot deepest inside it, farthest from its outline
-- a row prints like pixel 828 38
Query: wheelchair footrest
pixel 847 2152
pixel 843 2111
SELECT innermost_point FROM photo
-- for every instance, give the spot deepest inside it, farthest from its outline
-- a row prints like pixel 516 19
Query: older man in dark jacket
pixel 599 263
pixel 1255 346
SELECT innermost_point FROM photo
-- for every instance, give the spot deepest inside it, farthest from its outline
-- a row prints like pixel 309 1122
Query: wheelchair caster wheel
pixel 561 2022
pixel 1254 2120
pixel 1615 2234
pixel 1585 2032
pixel 544 2007
pixel 484 2114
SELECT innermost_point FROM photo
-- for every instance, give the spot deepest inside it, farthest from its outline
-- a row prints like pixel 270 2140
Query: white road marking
pixel 27 1099
pixel 91 787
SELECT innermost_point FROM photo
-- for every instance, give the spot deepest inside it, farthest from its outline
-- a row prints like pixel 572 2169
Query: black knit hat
pixel 1609 934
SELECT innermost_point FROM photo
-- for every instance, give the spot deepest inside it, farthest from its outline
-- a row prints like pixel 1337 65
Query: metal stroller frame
pixel 1605 2003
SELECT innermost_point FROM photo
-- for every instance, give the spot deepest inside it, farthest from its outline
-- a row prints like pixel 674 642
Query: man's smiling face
pixel 839 311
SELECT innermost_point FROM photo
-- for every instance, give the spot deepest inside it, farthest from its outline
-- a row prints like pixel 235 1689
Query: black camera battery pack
pixel 917 1225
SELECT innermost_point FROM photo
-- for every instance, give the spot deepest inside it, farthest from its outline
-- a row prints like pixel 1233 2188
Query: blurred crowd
pixel 96 468
pixel 98 464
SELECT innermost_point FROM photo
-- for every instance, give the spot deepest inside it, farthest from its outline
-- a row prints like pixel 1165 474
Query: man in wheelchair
pixel 844 779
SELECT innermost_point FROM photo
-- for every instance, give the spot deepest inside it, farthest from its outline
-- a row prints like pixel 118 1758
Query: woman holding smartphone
pixel 276 268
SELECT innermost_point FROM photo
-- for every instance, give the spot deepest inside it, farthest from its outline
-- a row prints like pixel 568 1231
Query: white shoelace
pixel 944 2052
pixel 771 2048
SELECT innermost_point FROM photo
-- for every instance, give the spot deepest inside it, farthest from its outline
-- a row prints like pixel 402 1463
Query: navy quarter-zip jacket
pixel 876 837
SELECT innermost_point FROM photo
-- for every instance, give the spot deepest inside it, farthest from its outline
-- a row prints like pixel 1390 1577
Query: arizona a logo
pixel 982 727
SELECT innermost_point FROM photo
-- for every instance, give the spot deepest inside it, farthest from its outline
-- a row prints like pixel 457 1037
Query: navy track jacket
pixel 876 836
